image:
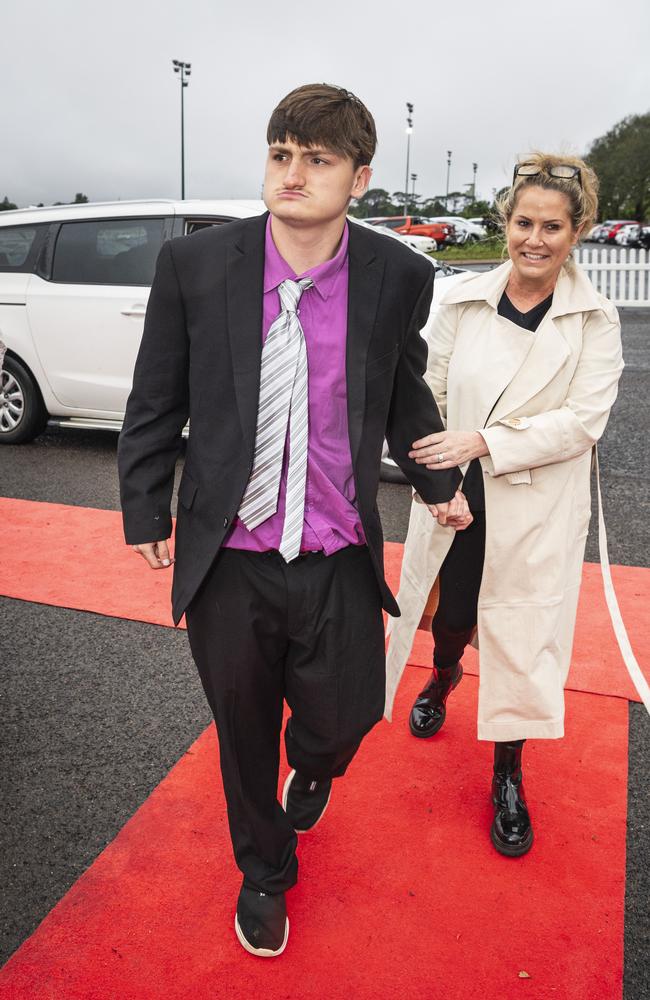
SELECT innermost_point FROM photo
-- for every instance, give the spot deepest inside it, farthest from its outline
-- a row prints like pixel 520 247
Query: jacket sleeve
pixel 413 411
pixel 518 443
pixel 156 411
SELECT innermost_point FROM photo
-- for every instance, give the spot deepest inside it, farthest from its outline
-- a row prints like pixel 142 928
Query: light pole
pixel 409 129
pixel 414 177
pixel 448 171
pixel 474 168
pixel 184 70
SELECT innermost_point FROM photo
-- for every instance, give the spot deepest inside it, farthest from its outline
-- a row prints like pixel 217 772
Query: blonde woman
pixel 524 363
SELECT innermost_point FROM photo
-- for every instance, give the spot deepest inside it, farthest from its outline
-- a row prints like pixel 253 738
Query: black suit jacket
pixel 200 358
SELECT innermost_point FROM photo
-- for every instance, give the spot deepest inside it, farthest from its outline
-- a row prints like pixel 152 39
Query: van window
pixel 17 247
pixel 193 225
pixel 108 252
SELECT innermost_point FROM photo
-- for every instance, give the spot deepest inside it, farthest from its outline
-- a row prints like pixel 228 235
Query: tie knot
pixel 291 291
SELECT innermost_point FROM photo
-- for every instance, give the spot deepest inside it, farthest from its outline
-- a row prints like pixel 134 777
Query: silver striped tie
pixel 283 401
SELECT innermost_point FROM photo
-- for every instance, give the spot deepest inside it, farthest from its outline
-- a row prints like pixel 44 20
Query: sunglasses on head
pixel 564 171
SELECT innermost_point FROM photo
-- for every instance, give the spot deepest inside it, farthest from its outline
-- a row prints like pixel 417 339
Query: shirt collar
pixel 276 269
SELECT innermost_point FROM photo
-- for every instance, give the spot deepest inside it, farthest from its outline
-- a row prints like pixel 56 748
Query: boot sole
pixel 432 732
pixel 260 952
pixel 512 852
pixel 285 796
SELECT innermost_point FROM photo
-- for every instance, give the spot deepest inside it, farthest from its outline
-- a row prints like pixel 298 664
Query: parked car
pixel 592 235
pixel 627 234
pixel 424 243
pixel 609 228
pixel 74 285
pixel 417 225
pixel 466 230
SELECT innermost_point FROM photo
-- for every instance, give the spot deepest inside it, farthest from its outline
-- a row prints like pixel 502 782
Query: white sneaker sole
pixel 260 952
pixel 285 795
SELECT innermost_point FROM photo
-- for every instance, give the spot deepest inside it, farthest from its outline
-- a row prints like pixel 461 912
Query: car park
pixel 74 286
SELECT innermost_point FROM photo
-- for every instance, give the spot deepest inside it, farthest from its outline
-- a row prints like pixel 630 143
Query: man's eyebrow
pixel 305 150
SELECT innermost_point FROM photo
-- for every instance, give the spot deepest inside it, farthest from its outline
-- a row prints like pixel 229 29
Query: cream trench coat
pixel 541 400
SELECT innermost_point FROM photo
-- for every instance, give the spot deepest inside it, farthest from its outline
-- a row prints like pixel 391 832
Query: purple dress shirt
pixel 331 518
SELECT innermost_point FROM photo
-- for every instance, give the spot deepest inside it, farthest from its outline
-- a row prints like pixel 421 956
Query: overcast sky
pixel 90 101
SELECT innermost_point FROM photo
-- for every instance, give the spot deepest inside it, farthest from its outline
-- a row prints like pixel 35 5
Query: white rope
pixel 620 631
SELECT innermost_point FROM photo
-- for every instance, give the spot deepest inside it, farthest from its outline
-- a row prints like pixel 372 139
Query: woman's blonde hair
pixel 582 192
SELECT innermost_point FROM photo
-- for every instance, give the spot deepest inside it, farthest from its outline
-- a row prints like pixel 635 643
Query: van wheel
pixel 22 414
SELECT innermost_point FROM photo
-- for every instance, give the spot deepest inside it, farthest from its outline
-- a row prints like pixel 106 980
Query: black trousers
pixel 310 631
pixel 460 581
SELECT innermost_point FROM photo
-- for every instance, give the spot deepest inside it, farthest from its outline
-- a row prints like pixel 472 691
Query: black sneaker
pixel 261 922
pixel 305 801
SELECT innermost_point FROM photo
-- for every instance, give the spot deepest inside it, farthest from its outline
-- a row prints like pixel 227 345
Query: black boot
pixel 511 832
pixel 428 712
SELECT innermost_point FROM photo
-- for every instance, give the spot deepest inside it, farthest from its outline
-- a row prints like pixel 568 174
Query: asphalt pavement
pixel 97 710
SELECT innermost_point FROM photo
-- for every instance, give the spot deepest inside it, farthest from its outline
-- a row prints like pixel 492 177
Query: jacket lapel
pixel 365 275
pixel 244 289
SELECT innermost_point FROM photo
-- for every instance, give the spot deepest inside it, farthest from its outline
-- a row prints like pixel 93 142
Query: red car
pixel 609 235
pixel 442 232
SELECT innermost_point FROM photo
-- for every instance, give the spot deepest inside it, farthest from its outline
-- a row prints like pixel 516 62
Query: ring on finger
pixel 440 456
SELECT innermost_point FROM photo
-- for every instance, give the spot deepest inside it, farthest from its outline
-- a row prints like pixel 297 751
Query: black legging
pixel 460 582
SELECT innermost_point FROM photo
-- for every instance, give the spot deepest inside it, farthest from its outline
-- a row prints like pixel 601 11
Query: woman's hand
pixel 457 513
pixel 447 449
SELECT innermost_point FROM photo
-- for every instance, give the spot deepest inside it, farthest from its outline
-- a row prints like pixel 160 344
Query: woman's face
pixel 540 234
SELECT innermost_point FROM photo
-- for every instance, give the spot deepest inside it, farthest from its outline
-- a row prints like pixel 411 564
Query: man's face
pixel 310 186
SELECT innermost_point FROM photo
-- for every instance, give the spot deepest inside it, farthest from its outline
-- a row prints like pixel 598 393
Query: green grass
pixel 489 249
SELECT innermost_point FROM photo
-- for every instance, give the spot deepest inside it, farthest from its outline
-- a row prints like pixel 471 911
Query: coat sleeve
pixel 413 411
pixel 441 338
pixel 156 411
pixel 558 435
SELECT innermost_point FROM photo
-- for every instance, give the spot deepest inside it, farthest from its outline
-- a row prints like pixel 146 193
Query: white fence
pixel 622 275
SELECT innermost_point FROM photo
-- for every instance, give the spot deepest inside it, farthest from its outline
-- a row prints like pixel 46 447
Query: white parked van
pixel 74 285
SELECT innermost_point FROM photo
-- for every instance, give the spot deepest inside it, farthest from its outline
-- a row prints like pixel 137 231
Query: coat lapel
pixel 548 353
pixel 244 288
pixel 365 275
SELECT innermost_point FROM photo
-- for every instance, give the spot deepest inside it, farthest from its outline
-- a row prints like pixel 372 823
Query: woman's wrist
pixel 481 445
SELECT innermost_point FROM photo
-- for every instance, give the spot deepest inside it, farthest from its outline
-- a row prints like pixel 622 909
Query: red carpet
pixel 401 894
pixel 75 557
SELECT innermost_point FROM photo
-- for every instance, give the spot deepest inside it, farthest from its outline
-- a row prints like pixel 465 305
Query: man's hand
pixel 155 553
pixel 447 449
pixel 455 513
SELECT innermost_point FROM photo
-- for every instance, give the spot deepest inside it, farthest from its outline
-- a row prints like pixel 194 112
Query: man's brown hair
pixel 318 114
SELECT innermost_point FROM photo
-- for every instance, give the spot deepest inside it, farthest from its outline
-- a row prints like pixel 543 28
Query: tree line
pixel 621 159
pixel 79 199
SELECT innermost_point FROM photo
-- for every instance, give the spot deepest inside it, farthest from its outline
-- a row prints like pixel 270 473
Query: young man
pixel 292 342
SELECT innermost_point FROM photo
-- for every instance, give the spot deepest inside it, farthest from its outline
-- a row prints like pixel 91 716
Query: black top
pixel 529 320
pixel 473 483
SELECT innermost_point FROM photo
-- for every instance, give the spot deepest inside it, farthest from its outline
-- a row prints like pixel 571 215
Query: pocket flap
pixel 187 491
pixel 515 478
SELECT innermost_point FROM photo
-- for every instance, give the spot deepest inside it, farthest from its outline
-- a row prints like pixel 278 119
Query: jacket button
pixel 225 522
pixel 156 517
